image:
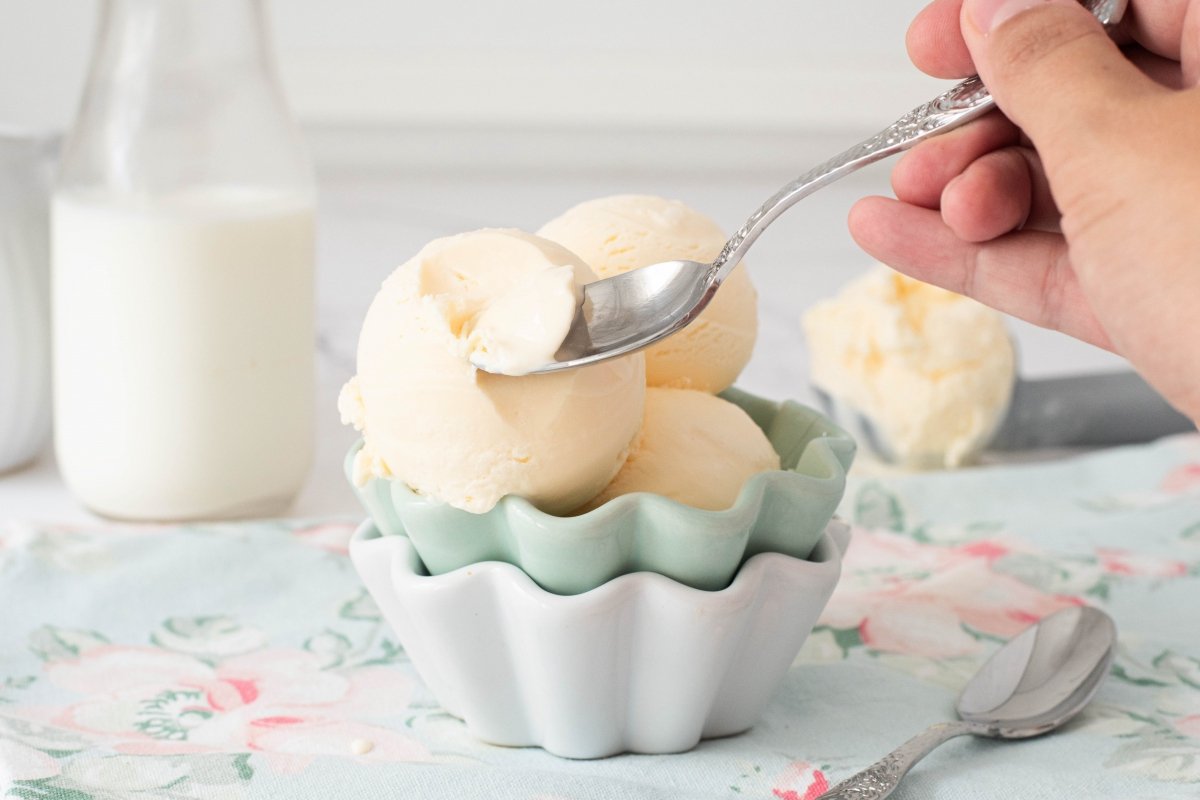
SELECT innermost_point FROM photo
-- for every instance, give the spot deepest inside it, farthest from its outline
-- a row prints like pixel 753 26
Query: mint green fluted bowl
pixel 783 511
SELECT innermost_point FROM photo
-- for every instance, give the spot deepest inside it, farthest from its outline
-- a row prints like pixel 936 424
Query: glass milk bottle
pixel 182 271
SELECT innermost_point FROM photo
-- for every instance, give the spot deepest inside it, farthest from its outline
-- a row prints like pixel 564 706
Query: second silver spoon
pixel 1037 681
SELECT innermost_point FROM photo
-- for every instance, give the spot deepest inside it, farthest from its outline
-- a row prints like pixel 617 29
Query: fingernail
pixel 990 14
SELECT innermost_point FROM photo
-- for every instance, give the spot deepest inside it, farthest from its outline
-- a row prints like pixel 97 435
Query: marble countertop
pixel 371 220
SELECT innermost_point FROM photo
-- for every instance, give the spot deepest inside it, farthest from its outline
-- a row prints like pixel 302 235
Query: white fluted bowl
pixel 640 664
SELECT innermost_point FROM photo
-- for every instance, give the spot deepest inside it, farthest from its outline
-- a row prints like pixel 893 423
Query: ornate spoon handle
pixel 881 778
pixel 967 101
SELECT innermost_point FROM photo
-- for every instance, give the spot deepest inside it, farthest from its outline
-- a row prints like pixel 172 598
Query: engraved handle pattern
pixel 881 778
pixel 965 102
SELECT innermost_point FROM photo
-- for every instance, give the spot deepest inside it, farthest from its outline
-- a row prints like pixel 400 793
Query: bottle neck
pixel 183 93
pixel 180 35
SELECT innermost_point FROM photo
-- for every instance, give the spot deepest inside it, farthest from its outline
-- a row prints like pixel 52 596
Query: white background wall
pixel 703 65
pixel 429 119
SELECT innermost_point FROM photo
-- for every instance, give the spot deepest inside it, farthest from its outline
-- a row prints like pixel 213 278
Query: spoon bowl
pixel 673 292
pixel 1043 676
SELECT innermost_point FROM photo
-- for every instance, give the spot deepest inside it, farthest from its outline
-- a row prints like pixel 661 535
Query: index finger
pixel 935 43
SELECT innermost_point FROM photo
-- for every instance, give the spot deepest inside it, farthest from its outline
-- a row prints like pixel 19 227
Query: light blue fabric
pixel 245 660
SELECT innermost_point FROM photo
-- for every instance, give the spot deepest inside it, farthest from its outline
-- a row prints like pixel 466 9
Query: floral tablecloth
pixel 245 660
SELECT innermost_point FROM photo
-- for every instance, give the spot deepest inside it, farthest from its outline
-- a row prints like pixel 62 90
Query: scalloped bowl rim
pixel 782 511
pixel 512 504
pixel 831 544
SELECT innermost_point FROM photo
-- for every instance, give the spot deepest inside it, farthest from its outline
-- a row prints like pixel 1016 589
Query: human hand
pixel 1077 209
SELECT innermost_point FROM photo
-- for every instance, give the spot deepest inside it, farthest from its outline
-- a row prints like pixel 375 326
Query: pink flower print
pixel 914 626
pixel 334 536
pixel 986 549
pixel 1184 478
pixel 800 781
pixel 1123 562
pixel 1189 725
pixel 301 740
pixel 909 597
pixel 1180 703
pixel 882 552
pixel 152 702
pixel 991 602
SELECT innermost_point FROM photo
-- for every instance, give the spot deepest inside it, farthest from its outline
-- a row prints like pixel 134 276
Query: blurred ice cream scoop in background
pixel 926 378
pixel 932 370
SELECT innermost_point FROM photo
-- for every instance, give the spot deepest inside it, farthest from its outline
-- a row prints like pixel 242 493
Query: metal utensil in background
pixel 1086 411
pixel 1092 410
pixel 24 296
pixel 1040 679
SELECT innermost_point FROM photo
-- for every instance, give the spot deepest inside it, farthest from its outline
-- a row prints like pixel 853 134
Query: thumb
pixel 1053 71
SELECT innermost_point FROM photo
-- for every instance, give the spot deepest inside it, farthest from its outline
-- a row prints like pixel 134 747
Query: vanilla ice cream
pixel 624 232
pixel 932 370
pixel 522 327
pixel 694 447
pixel 467 437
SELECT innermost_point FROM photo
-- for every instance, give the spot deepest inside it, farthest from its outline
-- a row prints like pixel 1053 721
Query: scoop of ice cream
pixel 624 232
pixel 694 447
pixel 932 370
pixel 467 437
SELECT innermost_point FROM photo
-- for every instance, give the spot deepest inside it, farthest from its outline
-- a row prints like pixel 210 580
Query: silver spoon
pixel 1030 686
pixel 627 312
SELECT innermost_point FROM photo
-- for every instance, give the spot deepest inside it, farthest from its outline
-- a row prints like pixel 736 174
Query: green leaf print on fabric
pixel 360 607
pixel 1184 669
pixel 1118 672
pixel 13 685
pixel 47 739
pixel 876 507
pixel 241 763
pixel 390 653
pixel 45 789
pixel 1160 735
pixel 210 637
pixel 191 777
pixel 1161 755
pixel 331 646
pixel 289 705
pixel 171 713
pixel 51 643
pixel 846 638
